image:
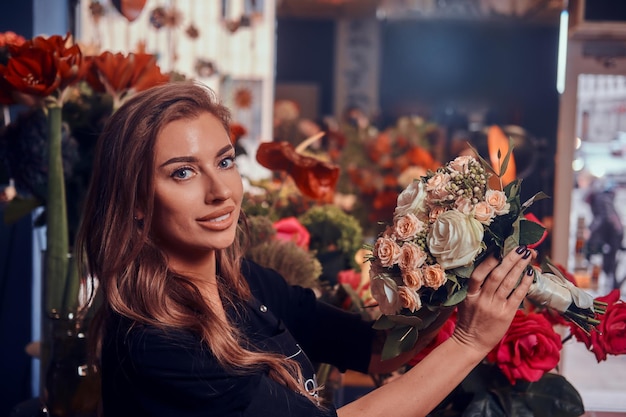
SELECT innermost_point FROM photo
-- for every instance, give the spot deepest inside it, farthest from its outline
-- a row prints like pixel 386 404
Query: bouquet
pixel 444 224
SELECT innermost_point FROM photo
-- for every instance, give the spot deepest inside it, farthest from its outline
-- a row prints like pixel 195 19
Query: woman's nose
pixel 217 189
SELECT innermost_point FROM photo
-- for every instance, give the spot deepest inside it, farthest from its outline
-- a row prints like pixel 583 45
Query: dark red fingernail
pixel 520 249
pixel 527 254
pixel 530 271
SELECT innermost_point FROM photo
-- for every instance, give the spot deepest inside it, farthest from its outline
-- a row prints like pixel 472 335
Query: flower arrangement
pixel 444 223
pixel 376 167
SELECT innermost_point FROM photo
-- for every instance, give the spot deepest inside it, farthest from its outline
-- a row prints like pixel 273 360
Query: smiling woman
pixel 188 327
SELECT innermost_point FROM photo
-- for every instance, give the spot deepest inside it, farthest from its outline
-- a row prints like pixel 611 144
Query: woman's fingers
pixel 481 272
pixel 503 278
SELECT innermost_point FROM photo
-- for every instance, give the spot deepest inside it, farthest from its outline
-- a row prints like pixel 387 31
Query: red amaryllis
pixel 290 229
pixel 314 178
pixel 69 58
pixel 11 38
pixel 236 132
pixel 31 71
pixel 118 74
pixel 528 350
pixel 609 337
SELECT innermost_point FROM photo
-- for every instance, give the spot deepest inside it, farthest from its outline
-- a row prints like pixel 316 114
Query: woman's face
pixel 198 189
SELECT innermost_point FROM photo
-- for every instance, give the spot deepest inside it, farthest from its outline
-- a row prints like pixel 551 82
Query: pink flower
pixel 290 228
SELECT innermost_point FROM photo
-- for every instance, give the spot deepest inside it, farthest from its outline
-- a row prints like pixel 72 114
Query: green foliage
pixel 486 392
pixel 333 229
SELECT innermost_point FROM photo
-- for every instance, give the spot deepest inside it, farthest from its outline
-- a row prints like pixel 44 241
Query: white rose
pixel 455 239
pixel 385 291
pixel 411 200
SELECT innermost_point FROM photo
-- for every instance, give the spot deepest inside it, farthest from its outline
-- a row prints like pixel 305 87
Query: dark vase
pixel 71 385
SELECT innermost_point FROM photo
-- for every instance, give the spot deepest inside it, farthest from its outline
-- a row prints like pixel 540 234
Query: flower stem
pixel 57 239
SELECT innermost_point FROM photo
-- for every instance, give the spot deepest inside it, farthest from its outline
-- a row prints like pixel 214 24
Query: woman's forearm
pixel 436 375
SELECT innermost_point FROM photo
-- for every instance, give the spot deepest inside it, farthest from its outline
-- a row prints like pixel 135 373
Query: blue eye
pixel 227 162
pixel 182 173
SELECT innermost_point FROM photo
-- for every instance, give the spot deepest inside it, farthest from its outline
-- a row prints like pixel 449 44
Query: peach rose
pixel 387 250
pixel 407 227
pixel 434 276
pixel 435 212
pixel 437 186
pixel 411 200
pixel 409 299
pixel 385 291
pixel 464 205
pixel 412 256
pixel 497 200
pixel 461 164
pixel 484 213
pixel 455 239
pixel 413 278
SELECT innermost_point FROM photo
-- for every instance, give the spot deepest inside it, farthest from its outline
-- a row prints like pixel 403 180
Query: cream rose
pixel 434 276
pixel 455 239
pixel 385 291
pixel 407 227
pixel 497 200
pixel 464 205
pixel 387 251
pixel 412 256
pixel 409 299
pixel 411 200
pixel 484 213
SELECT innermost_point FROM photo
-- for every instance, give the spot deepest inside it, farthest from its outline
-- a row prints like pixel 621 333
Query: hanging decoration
pixel 97 11
pixel 130 9
pixel 158 17
pixel 243 98
pixel 192 31
pixel 205 68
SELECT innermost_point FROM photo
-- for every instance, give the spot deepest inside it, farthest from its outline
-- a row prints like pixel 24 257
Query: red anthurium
pixel 314 178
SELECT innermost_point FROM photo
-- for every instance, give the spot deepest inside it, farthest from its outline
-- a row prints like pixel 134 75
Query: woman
pixel 189 328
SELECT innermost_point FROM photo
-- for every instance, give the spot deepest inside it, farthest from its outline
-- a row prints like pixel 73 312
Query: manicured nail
pixel 530 271
pixel 526 254
pixel 520 249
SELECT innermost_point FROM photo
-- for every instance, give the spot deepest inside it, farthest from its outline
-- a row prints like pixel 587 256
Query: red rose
pixel 609 338
pixel 528 350
pixel 290 228
pixel 444 333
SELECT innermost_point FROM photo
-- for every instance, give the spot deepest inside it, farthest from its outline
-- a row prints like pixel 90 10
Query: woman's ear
pixel 138 215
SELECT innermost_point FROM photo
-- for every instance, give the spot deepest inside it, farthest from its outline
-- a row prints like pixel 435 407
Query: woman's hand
pixel 494 294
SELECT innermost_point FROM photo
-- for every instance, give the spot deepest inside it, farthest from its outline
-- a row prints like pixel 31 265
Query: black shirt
pixel 152 372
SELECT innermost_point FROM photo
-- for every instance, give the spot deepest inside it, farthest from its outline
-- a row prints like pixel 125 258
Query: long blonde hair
pixel 132 271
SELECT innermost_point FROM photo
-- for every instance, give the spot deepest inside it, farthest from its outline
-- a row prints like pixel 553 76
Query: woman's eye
pixel 182 173
pixel 227 162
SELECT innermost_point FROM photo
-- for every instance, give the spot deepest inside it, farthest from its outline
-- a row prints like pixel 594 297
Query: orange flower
pixel 69 57
pixel 314 178
pixel 236 132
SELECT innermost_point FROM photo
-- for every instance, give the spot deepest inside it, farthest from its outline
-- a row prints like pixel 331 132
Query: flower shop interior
pixel 381 92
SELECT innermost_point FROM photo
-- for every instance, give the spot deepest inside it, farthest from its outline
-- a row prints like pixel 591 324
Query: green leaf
pixel 383 323
pixel 507 157
pixel 463 271
pixel 484 405
pixel 554 396
pixel 18 208
pixel 413 321
pixel 456 297
pixel 530 232
pixel 539 196
pixel 395 342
